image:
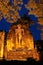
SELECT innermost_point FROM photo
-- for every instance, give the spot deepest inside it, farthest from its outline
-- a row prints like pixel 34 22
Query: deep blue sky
pixel 4 25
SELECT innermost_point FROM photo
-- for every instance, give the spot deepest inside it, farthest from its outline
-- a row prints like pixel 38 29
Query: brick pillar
pixel 1 44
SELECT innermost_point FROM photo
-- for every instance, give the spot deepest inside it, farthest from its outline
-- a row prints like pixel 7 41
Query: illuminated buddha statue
pixel 19 33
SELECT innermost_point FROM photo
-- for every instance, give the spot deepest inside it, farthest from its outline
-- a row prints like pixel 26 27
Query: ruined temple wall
pixel 1 43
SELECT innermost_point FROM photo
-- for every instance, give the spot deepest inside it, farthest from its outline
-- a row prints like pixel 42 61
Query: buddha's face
pixel 19 26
